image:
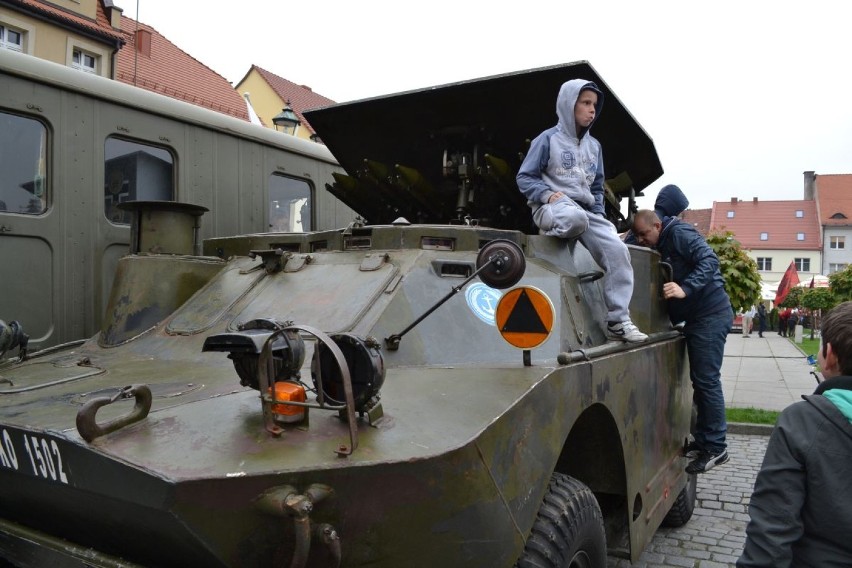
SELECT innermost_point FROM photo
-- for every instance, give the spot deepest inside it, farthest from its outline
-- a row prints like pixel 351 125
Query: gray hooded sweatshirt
pixel 559 160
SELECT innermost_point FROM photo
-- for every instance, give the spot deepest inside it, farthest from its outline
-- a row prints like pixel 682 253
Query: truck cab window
pixel 23 152
pixel 290 207
pixel 134 171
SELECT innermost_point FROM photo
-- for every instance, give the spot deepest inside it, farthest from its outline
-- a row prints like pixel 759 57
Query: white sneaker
pixel 625 331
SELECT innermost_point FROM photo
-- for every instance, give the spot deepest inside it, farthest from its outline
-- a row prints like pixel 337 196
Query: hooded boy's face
pixel 584 109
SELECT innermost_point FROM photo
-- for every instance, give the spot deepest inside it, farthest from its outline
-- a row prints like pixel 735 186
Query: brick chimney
pixel 733 201
pixel 810 185
pixel 754 200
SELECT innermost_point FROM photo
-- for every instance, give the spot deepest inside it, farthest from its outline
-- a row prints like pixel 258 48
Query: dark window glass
pixel 290 205
pixel 135 172
pixel 23 163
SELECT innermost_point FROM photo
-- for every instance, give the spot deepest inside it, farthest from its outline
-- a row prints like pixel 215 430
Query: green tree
pixel 817 300
pixel 794 298
pixel 840 284
pixel 742 280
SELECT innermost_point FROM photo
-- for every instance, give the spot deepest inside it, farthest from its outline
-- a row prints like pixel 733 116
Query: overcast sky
pixel 740 97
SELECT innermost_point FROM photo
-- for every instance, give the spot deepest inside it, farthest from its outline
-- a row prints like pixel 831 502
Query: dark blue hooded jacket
pixel 670 202
pixel 695 267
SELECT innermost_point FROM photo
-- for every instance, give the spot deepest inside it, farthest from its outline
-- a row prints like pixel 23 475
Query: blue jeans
pixel 705 345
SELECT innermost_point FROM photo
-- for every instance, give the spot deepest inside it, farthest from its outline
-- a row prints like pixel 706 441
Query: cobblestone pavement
pixel 715 535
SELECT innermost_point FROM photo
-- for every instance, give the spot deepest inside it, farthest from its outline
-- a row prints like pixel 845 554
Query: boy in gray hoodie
pixel 562 178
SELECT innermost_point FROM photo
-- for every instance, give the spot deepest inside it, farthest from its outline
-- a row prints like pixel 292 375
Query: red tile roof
pixel 301 97
pixel 777 218
pixel 698 218
pixel 171 71
pixel 834 199
pixel 100 26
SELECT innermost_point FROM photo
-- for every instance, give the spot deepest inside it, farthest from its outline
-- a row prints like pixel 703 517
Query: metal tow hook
pixel 88 427
pixel 285 501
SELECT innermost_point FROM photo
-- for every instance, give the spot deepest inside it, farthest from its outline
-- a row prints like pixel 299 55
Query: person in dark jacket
pixel 761 319
pixel 800 510
pixel 670 202
pixel 783 316
pixel 696 296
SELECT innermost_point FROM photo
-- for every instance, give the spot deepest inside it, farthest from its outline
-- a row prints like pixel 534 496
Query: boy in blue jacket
pixel 562 178
pixel 697 297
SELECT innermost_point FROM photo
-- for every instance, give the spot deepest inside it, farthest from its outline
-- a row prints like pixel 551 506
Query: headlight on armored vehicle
pixel 366 367
pixel 244 347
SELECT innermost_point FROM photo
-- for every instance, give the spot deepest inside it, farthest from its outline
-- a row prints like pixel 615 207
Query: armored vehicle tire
pixel 684 505
pixel 568 531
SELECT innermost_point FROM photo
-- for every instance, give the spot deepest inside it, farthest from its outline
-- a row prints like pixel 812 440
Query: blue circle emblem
pixel 482 301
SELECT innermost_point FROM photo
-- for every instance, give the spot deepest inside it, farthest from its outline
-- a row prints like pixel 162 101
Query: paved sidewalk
pixel 768 373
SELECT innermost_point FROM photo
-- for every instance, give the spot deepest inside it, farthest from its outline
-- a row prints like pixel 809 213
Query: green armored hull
pixel 345 398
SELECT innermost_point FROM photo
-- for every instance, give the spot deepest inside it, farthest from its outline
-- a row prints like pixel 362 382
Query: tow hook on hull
pixel 87 425
pixel 286 501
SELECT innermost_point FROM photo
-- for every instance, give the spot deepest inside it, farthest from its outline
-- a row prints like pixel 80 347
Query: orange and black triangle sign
pixel 524 318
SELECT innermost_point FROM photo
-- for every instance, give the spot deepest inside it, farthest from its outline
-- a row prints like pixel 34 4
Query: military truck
pixel 429 386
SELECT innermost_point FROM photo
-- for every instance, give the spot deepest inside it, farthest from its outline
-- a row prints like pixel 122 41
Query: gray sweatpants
pixel 565 218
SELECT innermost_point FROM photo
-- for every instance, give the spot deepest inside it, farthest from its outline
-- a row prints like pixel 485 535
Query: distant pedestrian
pixel 792 320
pixel 783 317
pixel 748 317
pixel 801 508
pixel 761 319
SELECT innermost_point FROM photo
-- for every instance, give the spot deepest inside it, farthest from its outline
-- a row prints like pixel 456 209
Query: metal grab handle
pixel 87 424
pixel 668 271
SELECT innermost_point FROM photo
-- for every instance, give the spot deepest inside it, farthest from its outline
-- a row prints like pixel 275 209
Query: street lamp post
pixel 286 120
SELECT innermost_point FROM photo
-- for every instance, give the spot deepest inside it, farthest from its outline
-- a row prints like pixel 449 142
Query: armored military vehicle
pixel 428 386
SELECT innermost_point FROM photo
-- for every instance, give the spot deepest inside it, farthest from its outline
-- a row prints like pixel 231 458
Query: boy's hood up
pixel 567 98
pixel 670 202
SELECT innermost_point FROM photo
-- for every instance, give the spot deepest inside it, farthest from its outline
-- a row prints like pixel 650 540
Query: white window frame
pixel 800 236
pixel 5 43
pixel 82 64
pixel 764 264
pixel 801 264
pixel 730 214
pixel 799 213
pixel 100 55
pixel 764 236
pixel 837 267
pixel 26 31
pixel 837 242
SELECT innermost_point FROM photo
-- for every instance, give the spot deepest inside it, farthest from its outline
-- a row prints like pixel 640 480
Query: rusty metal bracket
pixel 87 424
pixel 286 501
pixel 265 373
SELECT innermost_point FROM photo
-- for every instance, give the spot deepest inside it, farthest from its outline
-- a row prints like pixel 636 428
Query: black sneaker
pixel 707 461
pixel 692 449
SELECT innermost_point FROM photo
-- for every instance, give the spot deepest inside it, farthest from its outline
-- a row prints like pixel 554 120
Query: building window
pixel 84 61
pixel 23 151
pixel 289 205
pixel 803 264
pixel 837 267
pixel 730 214
pixel 11 39
pixel 837 242
pixel 764 236
pixel 799 213
pixel 800 236
pixel 134 171
pixel 764 264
